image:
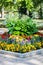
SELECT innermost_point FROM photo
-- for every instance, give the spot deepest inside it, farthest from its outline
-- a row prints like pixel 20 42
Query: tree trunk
pixel 2 12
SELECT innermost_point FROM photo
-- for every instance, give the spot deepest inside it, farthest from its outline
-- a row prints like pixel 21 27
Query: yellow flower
pixel 24 50
pixel 36 35
pixel 12 36
pixel 33 47
pixel 17 49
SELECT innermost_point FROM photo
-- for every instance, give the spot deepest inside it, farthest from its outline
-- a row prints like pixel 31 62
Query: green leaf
pixel 17 28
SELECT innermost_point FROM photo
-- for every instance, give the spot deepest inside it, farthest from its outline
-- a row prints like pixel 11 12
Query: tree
pixel 21 5
pixel 7 4
pixel 28 4
pixel 24 5
pixel 38 3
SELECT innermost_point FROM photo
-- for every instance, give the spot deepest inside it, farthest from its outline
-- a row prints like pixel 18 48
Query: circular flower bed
pixel 22 44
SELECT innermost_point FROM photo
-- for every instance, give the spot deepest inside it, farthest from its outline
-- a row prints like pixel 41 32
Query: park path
pixel 11 60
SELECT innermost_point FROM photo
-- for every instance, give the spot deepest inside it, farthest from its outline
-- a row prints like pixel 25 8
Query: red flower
pixel 8 35
pixel 40 34
pixel 3 36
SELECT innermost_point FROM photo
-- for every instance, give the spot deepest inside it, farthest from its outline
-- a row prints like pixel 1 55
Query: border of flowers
pixel 22 55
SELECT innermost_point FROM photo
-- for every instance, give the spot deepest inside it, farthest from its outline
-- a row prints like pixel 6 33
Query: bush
pixel 21 26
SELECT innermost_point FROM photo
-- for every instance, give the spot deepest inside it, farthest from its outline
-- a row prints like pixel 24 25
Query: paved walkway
pixel 10 60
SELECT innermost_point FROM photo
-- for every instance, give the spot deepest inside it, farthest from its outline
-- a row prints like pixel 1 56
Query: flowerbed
pixel 21 37
pixel 22 45
pixel 20 48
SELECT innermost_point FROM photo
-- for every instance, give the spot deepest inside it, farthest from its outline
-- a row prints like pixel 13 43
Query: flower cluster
pixel 20 48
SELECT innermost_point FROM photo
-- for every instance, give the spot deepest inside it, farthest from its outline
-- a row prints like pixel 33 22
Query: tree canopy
pixel 29 4
pixel 6 3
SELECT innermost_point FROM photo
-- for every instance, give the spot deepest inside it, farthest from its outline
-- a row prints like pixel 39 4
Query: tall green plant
pixel 21 26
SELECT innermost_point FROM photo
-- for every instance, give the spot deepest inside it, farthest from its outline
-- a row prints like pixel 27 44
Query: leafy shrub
pixel 21 26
